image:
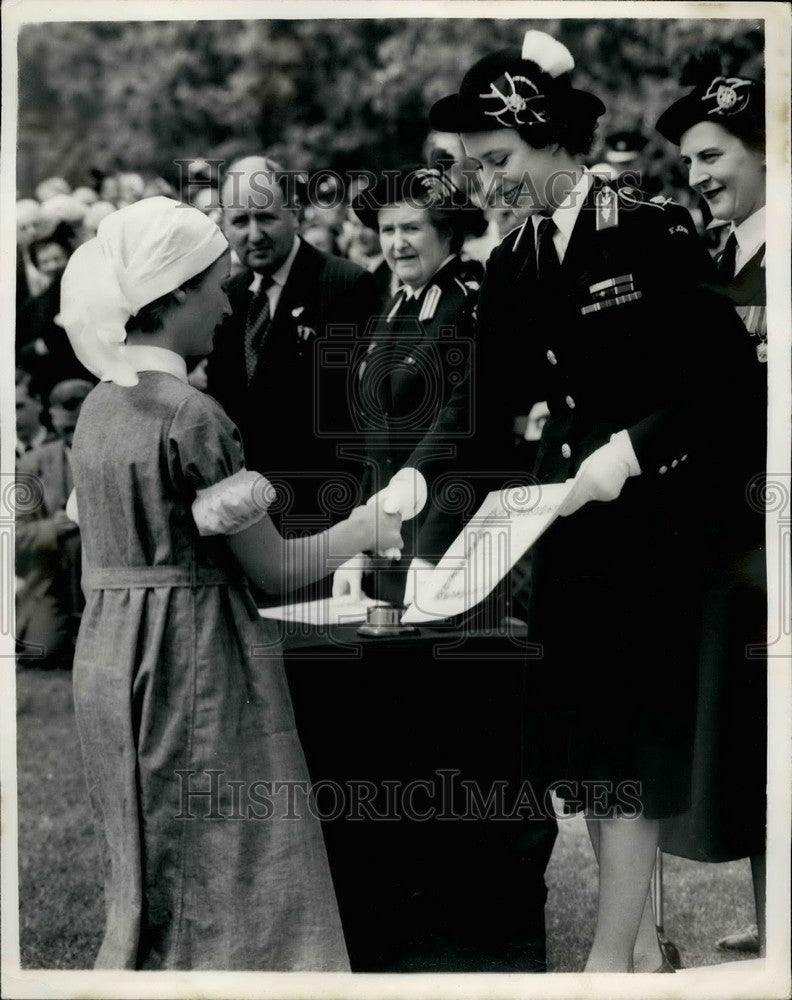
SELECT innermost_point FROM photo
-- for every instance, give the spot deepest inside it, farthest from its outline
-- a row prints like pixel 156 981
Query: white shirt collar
pixel 566 214
pixel 414 293
pixel 148 358
pixel 751 234
pixel 281 276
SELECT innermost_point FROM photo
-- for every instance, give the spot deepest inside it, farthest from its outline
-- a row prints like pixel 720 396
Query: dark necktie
pixel 256 325
pixel 547 263
pixel 727 262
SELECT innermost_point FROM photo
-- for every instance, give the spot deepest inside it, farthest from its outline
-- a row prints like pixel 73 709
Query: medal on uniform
pixel 607 206
pixel 611 292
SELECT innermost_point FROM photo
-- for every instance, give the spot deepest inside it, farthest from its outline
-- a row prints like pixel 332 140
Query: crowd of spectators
pixel 59 218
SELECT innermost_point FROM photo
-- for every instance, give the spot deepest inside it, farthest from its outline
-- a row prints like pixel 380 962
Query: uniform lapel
pixel 523 255
pixel 301 290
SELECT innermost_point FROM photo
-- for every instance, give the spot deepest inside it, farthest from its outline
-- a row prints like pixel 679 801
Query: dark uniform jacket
pixel 747 419
pixel 630 335
pixel 635 336
pixel 296 409
pixel 419 352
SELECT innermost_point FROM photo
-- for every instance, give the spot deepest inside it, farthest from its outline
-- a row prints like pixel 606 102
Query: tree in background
pixel 317 93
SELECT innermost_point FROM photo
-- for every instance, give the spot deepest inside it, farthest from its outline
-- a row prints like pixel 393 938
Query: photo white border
pixel 719 983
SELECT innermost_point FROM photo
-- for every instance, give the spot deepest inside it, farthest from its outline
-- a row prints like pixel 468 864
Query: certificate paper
pixel 330 611
pixel 499 533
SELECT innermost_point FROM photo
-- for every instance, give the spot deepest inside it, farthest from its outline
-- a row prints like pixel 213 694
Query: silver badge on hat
pixel 514 103
pixel 730 96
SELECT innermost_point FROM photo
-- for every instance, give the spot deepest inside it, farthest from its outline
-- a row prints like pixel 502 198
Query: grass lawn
pixel 61 907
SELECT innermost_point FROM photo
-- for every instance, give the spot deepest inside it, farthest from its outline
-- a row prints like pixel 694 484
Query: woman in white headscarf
pixel 184 716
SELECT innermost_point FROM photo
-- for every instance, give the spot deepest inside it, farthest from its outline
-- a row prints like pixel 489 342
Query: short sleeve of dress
pixel 207 464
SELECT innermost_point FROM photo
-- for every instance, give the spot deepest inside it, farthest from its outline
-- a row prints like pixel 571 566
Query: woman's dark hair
pixel 450 224
pixel 150 317
pixel 571 132
pixel 451 214
pixel 752 135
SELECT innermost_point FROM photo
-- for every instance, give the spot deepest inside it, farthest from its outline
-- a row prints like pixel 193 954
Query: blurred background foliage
pixel 316 94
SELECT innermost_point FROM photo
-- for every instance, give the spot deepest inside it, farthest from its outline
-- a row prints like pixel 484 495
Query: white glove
pixel 416 566
pixel 602 475
pixel 405 494
pixel 348 578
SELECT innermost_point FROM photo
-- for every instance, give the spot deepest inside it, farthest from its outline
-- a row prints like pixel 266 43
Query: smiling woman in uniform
pixel 603 305
pixel 719 127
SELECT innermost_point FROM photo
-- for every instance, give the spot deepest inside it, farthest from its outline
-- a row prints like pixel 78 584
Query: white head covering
pixel 139 253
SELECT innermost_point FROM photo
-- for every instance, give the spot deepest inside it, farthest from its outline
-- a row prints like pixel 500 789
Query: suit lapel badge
pixel 607 205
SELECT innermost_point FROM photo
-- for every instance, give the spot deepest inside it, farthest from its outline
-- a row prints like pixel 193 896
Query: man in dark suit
pixel 268 366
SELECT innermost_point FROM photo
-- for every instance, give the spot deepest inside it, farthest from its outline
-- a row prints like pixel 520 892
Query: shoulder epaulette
pixel 630 195
pixel 429 307
pixel 467 286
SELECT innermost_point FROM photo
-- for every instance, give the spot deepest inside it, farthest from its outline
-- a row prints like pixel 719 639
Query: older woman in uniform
pixel 421 347
pixel 598 304
pixel 719 127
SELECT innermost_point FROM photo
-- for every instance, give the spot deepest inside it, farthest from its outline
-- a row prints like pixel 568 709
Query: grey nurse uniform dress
pixel 179 692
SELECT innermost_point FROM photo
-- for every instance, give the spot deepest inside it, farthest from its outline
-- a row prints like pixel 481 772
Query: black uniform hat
pixel 737 103
pixel 513 88
pixel 423 187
